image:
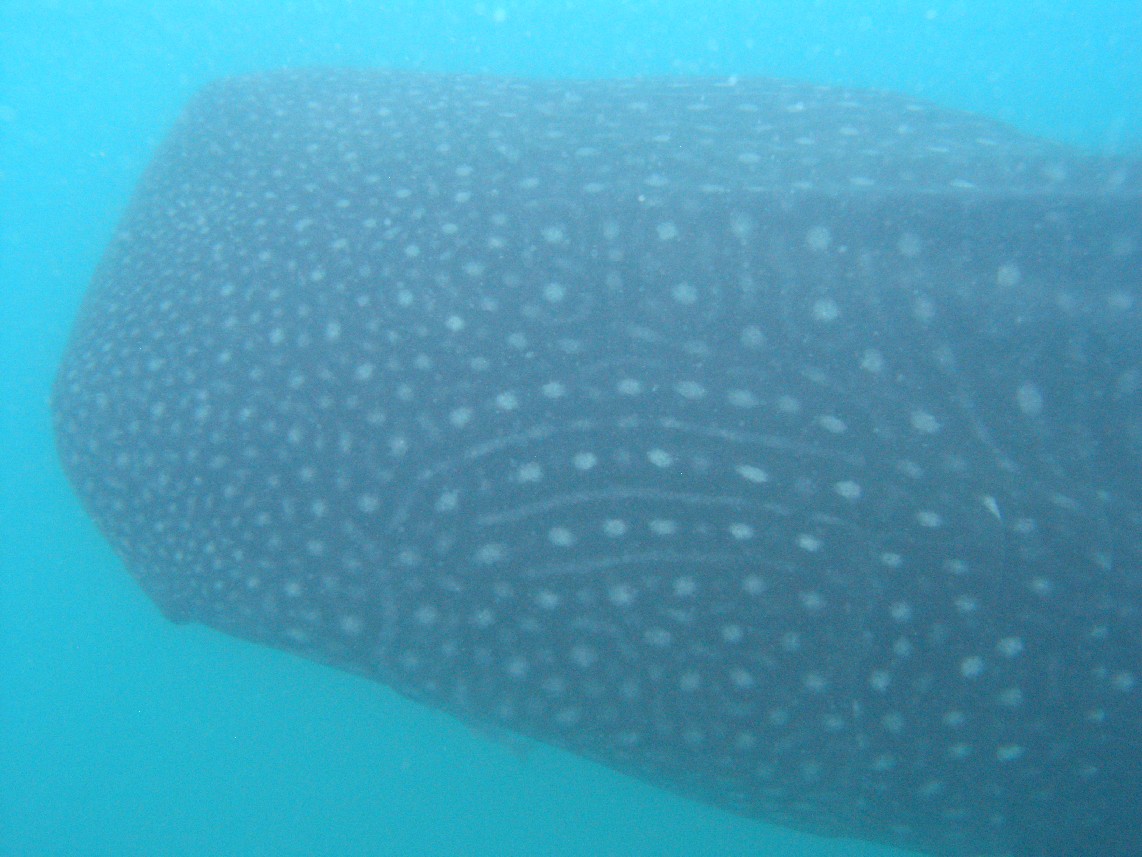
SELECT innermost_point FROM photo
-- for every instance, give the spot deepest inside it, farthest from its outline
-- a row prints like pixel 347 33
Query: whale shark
pixel 776 444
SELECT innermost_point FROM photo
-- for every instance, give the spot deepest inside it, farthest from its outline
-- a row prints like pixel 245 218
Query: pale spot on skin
pixel 972 666
pixel 818 239
pixel 751 473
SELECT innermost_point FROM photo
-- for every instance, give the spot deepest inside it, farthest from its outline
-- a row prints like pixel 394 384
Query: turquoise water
pixel 121 734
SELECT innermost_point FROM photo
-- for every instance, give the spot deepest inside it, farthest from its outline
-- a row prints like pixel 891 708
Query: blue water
pixel 121 734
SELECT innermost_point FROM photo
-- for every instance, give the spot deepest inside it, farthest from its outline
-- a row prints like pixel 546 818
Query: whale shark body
pixel 777 444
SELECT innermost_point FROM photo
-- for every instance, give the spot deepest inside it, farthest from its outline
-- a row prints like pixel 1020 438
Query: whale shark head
pixel 774 443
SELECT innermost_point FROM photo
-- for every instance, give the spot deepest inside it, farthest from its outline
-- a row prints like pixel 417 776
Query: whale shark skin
pixel 777 444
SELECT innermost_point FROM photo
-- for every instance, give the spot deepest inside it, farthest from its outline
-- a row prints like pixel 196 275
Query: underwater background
pixel 123 734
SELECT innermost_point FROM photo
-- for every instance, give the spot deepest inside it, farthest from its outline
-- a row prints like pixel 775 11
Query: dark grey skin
pixel 777 444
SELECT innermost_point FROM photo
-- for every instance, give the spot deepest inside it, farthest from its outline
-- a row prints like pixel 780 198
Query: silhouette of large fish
pixel 777 444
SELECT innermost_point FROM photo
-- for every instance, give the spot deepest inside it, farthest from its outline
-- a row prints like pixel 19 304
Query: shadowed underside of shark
pixel 778 444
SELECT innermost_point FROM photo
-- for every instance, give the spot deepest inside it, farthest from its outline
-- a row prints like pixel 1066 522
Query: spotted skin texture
pixel 777 444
